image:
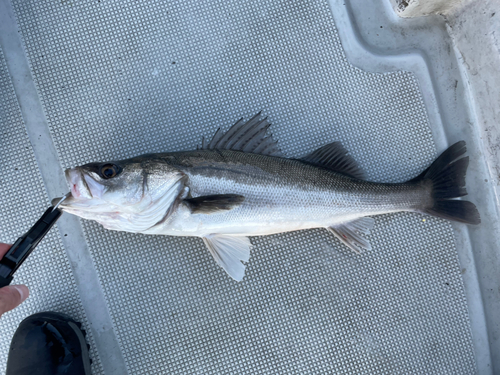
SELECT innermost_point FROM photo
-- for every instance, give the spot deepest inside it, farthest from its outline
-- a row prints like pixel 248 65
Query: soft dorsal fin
pixel 250 136
pixel 334 156
pixel 210 204
pixel 352 232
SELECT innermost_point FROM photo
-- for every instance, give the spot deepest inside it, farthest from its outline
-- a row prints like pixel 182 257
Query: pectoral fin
pixel 229 252
pixel 210 204
pixel 351 233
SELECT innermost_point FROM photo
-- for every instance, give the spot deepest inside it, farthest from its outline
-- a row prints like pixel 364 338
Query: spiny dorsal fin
pixel 229 252
pixel 210 204
pixel 334 156
pixel 351 233
pixel 250 136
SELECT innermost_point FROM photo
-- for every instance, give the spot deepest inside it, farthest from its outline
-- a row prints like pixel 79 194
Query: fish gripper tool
pixel 25 244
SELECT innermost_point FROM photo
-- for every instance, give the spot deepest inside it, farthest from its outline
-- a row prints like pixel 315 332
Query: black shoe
pixel 48 343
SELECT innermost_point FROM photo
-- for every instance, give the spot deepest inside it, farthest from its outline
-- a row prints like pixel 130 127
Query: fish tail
pixel 446 177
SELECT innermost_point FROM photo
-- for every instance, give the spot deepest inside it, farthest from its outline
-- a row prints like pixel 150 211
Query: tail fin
pixel 447 176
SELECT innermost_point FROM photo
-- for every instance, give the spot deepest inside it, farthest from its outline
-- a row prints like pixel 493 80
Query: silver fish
pixel 239 185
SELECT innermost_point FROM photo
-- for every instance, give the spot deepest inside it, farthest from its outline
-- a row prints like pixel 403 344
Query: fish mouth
pixel 78 185
pixel 85 191
pixel 83 186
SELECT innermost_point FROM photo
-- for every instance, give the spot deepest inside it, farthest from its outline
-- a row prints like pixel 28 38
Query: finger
pixel 12 296
pixel 3 249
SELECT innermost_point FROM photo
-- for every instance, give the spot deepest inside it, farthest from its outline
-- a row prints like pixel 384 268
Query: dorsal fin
pixel 334 156
pixel 250 136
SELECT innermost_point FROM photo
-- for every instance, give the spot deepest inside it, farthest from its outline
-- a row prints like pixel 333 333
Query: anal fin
pixel 229 252
pixel 351 233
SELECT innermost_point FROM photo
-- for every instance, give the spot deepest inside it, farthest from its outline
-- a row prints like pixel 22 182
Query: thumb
pixel 12 296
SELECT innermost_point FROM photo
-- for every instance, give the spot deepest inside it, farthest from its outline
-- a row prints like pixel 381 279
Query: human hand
pixel 11 296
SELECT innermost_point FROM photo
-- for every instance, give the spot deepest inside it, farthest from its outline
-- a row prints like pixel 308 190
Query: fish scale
pixel 292 194
pixel 239 184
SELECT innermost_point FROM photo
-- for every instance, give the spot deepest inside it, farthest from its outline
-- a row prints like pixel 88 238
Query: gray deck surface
pixel 118 79
pixel 47 271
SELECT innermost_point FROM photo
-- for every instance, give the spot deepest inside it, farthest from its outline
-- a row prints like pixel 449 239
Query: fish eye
pixel 109 171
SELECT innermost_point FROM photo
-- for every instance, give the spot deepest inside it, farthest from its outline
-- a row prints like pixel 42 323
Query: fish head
pixel 130 195
pixel 117 183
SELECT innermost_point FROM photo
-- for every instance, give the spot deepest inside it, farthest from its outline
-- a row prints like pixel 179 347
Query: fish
pixel 240 184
